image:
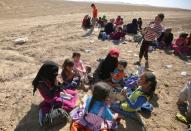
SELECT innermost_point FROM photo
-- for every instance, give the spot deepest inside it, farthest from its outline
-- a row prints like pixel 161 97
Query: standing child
pixel 96 112
pixel 153 33
pixel 140 23
pixel 119 72
pixel 70 80
pixel 94 17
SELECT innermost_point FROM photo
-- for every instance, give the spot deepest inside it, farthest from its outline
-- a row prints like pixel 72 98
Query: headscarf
pixel 183 34
pixel 168 29
pixel 104 17
pixel 114 51
pixel 48 72
pixel 109 64
pixel 134 21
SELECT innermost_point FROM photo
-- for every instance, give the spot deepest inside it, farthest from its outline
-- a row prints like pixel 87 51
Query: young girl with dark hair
pixel 70 80
pixel 96 111
pixel 147 84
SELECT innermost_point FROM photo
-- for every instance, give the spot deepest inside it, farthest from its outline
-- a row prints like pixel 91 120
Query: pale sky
pixel 185 4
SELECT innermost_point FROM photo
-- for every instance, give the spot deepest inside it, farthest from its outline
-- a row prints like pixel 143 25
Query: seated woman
pixel 180 46
pixel 118 21
pixel 46 83
pixel 166 38
pixel 185 97
pixel 109 27
pixel 118 35
pixel 132 28
pixel 141 95
pixel 70 80
pixel 107 66
pixel 86 23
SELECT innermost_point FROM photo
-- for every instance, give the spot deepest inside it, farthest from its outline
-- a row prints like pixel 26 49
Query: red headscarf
pixel 114 52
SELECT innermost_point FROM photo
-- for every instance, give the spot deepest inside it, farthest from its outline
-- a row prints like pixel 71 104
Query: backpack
pixel 137 38
pixel 131 82
pixel 53 117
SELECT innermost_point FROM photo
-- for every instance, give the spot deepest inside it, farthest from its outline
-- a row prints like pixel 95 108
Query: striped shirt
pixel 153 33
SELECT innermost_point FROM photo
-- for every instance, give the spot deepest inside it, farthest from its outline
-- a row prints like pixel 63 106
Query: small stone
pixel 168 66
pixel 21 40
pixel 92 41
pixel 183 73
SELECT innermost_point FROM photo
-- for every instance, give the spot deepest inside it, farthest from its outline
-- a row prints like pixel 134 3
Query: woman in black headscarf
pixel 107 66
pixel 46 76
pixel 132 28
pixel 45 82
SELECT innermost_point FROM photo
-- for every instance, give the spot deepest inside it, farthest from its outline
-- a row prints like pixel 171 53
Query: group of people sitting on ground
pixel 116 29
pixel 102 21
pixel 181 45
pixel 116 94
pixel 59 89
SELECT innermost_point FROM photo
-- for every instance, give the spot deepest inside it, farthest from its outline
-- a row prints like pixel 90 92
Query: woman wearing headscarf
pixel 132 28
pixel 166 38
pixel 107 66
pixel 46 83
pixel 180 45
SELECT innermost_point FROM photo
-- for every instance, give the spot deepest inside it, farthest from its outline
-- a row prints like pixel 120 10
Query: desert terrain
pixel 53 29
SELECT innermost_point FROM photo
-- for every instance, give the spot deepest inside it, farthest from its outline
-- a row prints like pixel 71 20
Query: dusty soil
pixel 54 32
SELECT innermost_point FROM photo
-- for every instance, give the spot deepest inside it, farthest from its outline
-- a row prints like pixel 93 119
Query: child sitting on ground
pixel 118 21
pixel 70 80
pixel 118 35
pixel 79 67
pixel 96 112
pixel 145 91
pixel 119 73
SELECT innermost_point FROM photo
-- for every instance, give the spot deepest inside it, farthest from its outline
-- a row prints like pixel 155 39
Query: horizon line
pixel 127 3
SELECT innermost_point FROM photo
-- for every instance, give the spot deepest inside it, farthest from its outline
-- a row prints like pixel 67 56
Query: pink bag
pixel 90 120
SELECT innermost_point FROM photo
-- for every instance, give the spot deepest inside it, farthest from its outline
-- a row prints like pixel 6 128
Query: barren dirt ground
pixel 54 31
